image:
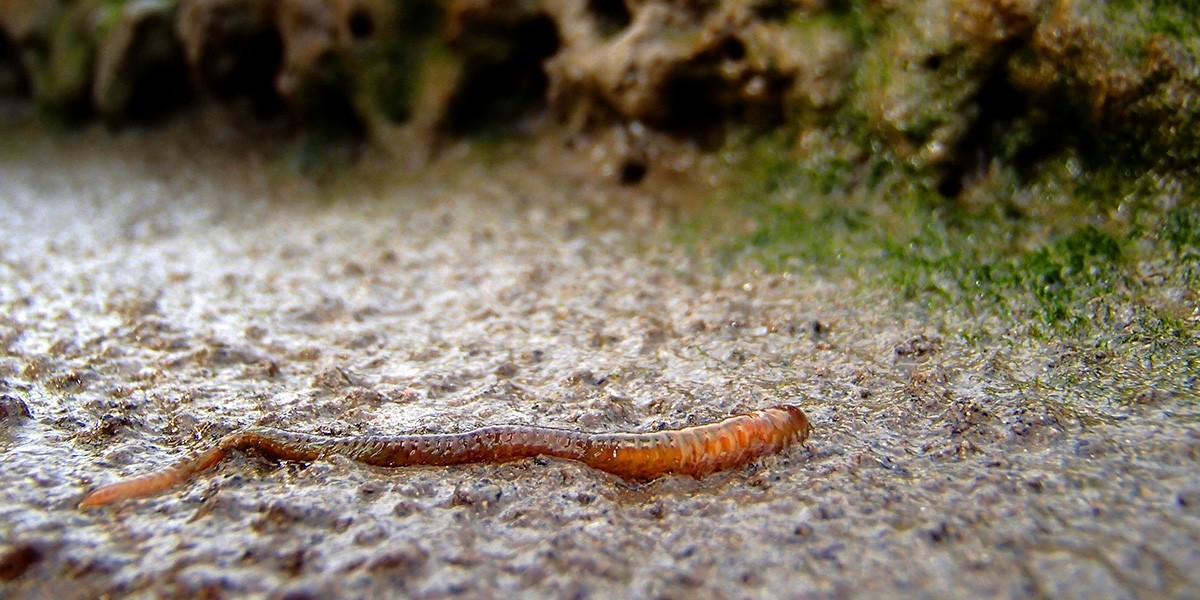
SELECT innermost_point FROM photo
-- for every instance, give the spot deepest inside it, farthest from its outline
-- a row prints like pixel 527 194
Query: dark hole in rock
pixel 951 185
pixel 15 560
pixel 157 70
pixel 774 10
pixel 361 24
pixel 497 90
pixel 694 108
pixel 702 102
pixel 999 104
pixel 732 48
pixel 325 105
pixel 1021 127
pixel 933 62
pixel 419 18
pixel 611 16
pixel 632 172
pixel 396 87
pixel 240 60
pixel 13 79
pixel 703 105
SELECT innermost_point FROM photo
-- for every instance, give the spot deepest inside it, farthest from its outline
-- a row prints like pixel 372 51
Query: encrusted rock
pixel 942 84
pixel 685 70
pixel 139 65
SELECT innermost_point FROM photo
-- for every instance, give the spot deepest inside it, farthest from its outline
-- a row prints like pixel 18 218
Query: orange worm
pixel 692 451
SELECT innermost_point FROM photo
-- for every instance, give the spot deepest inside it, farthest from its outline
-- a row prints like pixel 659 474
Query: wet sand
pixel 154 299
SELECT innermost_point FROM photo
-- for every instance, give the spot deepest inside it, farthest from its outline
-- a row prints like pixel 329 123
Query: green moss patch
pixel 1066 255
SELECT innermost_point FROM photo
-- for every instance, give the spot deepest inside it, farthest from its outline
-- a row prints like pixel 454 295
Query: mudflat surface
pixel 155 297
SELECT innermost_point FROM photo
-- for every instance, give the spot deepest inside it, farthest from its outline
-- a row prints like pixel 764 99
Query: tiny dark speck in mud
pixel 369 490
pixel 750 578
pixel 828 512
pixel 1189 501
pixel 632 172
pixel 1153 396
pixel 108 426
pixel 16 559
pixel 292 562
pixel 370 535
pixel 943 532
pixel 506 369
pixel 364 396
pixel 404 508
pixel 918 346
pixel 655 511
pixel 802 530
pixel 586 376
pixel 484 494
pixel 266 369
pixel 72 381
pixel 820 330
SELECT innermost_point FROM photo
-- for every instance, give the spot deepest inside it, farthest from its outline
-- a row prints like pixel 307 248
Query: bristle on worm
pixel 695 451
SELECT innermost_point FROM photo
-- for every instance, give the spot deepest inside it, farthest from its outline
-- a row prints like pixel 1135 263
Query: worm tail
pixel 279 444
pixel 153 483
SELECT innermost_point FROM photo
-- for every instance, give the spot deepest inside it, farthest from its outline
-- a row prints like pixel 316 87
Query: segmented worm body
pixel 635 456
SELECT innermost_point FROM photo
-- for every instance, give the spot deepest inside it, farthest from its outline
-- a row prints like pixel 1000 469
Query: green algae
pixel 1038 215
pixel 1065 254
pixel 1100 266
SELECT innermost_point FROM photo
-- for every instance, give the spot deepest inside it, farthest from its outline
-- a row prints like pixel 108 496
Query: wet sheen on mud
pixel 156 301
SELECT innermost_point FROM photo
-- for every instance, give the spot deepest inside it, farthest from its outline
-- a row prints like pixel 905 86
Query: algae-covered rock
pixel 945 86
pixel 12 77
pixel 338 65
pixel 232 49
pixel 58 53
pixel 139 66
pixel 956 84
pixel 91 57
pixel 694 68
pixel 23 25
pixel 329 61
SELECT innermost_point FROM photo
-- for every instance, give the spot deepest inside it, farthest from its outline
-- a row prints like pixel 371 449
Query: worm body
pixel 692 451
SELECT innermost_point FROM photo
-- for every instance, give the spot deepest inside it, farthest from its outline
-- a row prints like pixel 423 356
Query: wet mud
pixel 156 300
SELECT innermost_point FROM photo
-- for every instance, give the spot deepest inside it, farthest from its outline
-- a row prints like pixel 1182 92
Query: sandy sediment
pixel 154 301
